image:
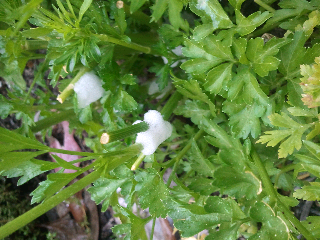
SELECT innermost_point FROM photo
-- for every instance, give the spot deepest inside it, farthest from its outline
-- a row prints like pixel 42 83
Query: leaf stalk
pixel 123 133
pixel 274 196
pixel 69 89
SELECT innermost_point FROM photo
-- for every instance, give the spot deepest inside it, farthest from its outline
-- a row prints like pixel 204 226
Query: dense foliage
pixel 238 80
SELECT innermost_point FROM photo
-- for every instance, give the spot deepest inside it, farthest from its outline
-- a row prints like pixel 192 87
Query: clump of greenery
pixel 11 206
pixel 242 97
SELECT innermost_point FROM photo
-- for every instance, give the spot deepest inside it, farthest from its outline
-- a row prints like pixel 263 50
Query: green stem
pixel 181 154
pixel 124 132
pixel 274 196
pixel 133 150
pixel 53 201
pixel 295 222
pixel 152 229
pixel 131 45
pixel 35 78
pixel 264 175
pixel 53 120
pixel 137 163
pixel 35 45
pixel 81 159
pixel 45 206
pixel 69 89
pixel 264 5
pixel 170 105
pixel 56 150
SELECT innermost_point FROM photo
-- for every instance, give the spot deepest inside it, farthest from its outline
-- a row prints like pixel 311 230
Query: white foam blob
pixel 159 130
pixel 89 89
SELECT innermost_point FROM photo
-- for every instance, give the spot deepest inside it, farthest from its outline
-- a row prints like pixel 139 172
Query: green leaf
pixel 191 219
pixel 226 231
pixel 294 133
pixel 124 102
pixel 136 4
pixel 201 185
pixel 313 148
pixel 63 163
pixel 120 18
pixel 249 24
pixel 296 111
pixel 85 114
pixel 102 190
pixel 128 79
pixel 36 32
pixel 291 55
pixel 152 192
pixel 235 158
pixel 191 89
pixel 199 65
pixel 312 224
pixel 239 46
pixel 262 56
pixel 245 121
pixel 120 230
pixel 218 78
pixel 213 10
pixel 214 46
pixel 246 84
pixel 193 109
pixel 175 7
pixel 84 7
pixel 222 139
pixel 29 169
pixel 236 183
pixel 133 230
pixel 163 75
pixel 224 205
pixel 198 162
pixel 309 193
pixel 236 3
pixel 202 31
pixel 11 73
pixel 195 49
pixel 5 107
pixel 54 183
pixel 273 227
pixel 10 160
pixel 158 9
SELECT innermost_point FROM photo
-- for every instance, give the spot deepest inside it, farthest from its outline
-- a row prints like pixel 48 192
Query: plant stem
pixel 134 46
pixel 295 222
pixel 55 119
pixel 53 201
pixel 137 163
pixel 170 105
pixel 35 45
pixel 69 89
pixel 181 154
pixel 264 5
pixel 152 229
pixel 124 132
pixel 264 175
pixel 274 196
pixel 35 78
pixel 45 206
pixel 133 149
